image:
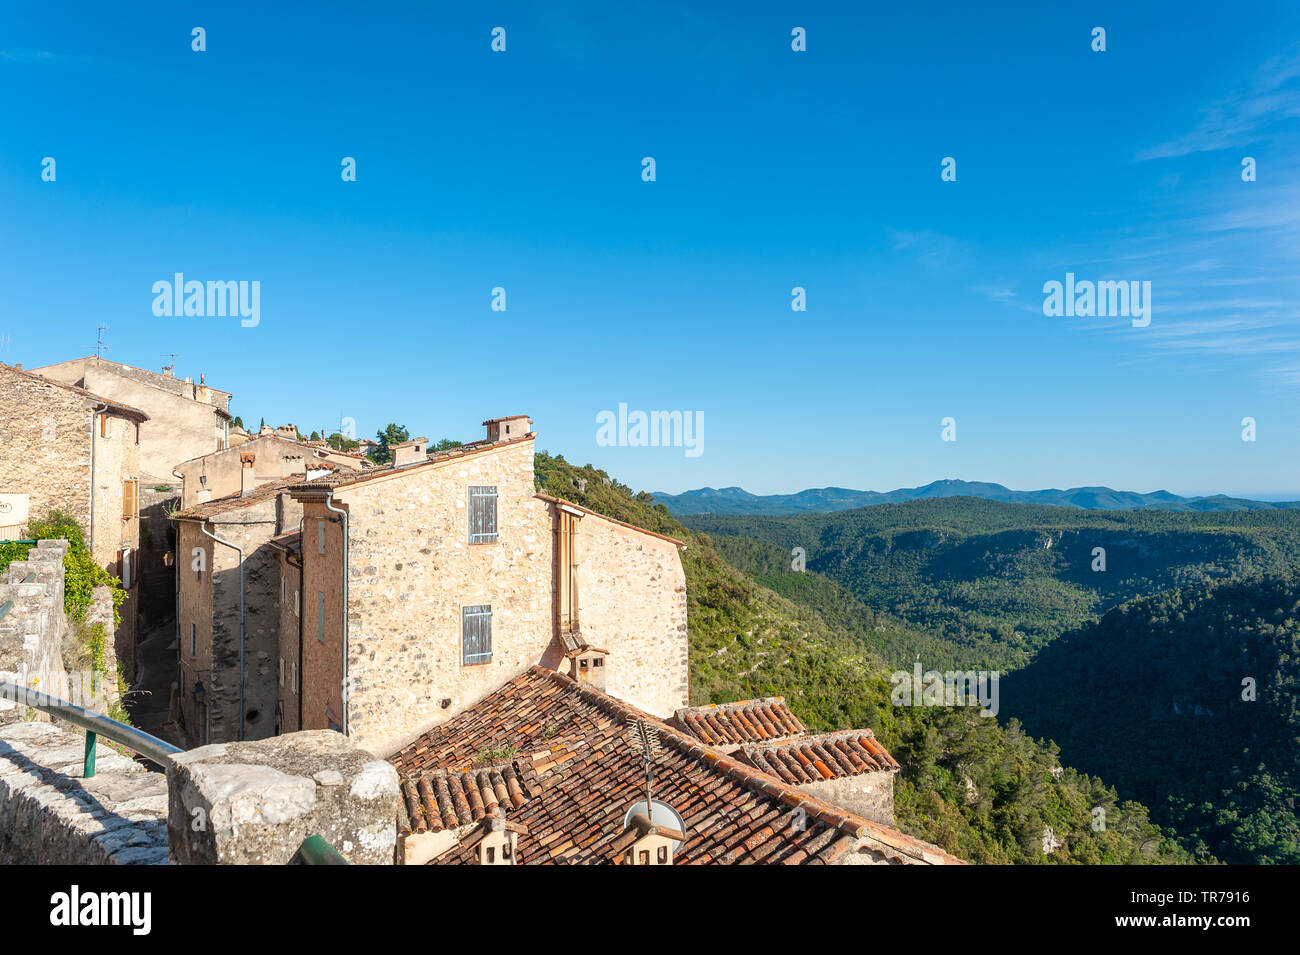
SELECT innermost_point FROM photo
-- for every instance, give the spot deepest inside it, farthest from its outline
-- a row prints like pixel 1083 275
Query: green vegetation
pixel 983 791
pixel 1190 701
pixel 986 584
pixel 340 442
pixel 494 755
pixel 393 434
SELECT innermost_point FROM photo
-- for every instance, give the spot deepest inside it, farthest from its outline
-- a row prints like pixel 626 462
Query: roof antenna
pixel 170 369
pixel 644 737
pixel 100 347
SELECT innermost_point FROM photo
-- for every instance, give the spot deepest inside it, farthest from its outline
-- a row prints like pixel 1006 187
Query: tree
pixel 446 444
pixel 340 442
pixel 393 434
pixel 315 436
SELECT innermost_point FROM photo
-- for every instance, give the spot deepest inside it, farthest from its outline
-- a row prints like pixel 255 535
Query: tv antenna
pixel 172 367
pixel 644 739
pixel 100 347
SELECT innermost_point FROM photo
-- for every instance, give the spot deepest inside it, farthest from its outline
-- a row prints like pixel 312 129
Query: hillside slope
pixel 990 584
pixel 981 791
pixel 1156 704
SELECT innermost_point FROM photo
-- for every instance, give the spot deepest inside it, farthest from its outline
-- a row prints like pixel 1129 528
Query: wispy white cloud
pixel 1244 117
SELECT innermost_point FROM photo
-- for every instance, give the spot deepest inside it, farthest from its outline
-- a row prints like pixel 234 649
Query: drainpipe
pixel 93 413
pixel 329 506
pixel 204 529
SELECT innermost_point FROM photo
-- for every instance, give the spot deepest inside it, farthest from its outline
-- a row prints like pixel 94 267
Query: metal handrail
pixel 95 724
pixel 316 851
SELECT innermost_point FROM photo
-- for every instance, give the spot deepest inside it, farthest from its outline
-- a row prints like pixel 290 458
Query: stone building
pixel 65 448
pixel 427 584
pixel 189 419
pixel 186 419
pixel 220 473
pixel 229 598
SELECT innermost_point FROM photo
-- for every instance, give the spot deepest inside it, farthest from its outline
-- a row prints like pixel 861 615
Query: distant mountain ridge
pixel 735 500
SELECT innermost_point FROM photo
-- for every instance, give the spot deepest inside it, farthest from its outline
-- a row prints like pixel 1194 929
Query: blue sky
pixel 774 169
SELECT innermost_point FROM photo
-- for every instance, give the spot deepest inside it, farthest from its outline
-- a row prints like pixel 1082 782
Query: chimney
pixel 498 842
pixel 409 452
pixel 505 429
pixel 647 843
pixel 204 495
pixel 18 367
pixel 247 478
pixel 588 666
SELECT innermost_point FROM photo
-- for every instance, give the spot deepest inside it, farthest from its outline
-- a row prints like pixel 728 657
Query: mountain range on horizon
pixel 736 500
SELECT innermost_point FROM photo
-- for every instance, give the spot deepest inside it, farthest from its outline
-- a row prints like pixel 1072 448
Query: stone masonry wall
pixel 413 569
pixel 32 631
pixel 632 603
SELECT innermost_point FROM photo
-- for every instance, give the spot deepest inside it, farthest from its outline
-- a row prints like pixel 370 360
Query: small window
pixel 597 662
pixel 282 672
pixel 193 641
pixel 283 591
pixel 320 616
pixel 295 677
pixel 103 426
pixel 482 515
pixel 505 851
pixel 644 856
pixel 491 855
pixel 320 537
pixel 476 635
pixel 296 611
pixel 663 855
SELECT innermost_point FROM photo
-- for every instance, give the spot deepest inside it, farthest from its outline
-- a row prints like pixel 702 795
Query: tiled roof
pixel 578 777
pixel 258 495
pixel 436 457
pixel 447 799
pixel 509 417
pixel 291 542
pixel 748 721
pixel 812 759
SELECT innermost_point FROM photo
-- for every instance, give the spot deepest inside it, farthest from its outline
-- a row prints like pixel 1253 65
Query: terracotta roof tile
pixel 573 777
pixel 748 721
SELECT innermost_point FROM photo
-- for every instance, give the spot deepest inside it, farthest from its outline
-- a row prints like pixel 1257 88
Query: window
pixel 320 537
pixel 283 591
pixel 126 568
pixel 320 616
pixel 491 855
pixel 296 611
pixel 295 676
pixel 663 855
pixel 282 672
pixel 476 635
pixel 193 642
pixel 103 426
pixel 482 515
pixel 130 499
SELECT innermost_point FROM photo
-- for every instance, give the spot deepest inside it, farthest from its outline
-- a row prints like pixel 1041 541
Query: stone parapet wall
pixel 34 627
pixel 50 814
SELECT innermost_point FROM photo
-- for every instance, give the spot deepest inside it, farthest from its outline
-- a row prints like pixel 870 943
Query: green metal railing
pixel 95 725
pixel 316 851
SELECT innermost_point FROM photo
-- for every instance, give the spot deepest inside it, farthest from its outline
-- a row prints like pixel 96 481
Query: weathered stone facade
pixel 33 625
pixel 189 419
pixel 275 457
pixel 63 448
pixel 208 615
pixel 413 572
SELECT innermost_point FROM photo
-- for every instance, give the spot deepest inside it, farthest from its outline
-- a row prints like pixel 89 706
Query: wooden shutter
pixel 476 634
pixel 130 499
pixel 482 515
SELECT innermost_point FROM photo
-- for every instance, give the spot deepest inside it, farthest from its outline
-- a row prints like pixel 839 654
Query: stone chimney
pixel 247 475
pixel 646 843
pixel 498 840
pixel 588 666
pixel 414 451
pixel 505 429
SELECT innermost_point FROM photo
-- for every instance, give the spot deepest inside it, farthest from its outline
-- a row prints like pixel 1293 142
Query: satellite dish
pixel 663 815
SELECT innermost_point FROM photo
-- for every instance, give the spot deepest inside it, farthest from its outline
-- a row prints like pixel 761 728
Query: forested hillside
pixel 989 584
pixel 981 790
pixel 1190 702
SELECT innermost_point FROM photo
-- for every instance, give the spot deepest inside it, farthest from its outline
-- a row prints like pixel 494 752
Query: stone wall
pixel 275 458
pixel 183 416
pixel 254 803
pixel 45 444
pixel 632 603
pixel 870 795
pixel 33 629
pixel 412 570
pixel 211 603
pixel 51 814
